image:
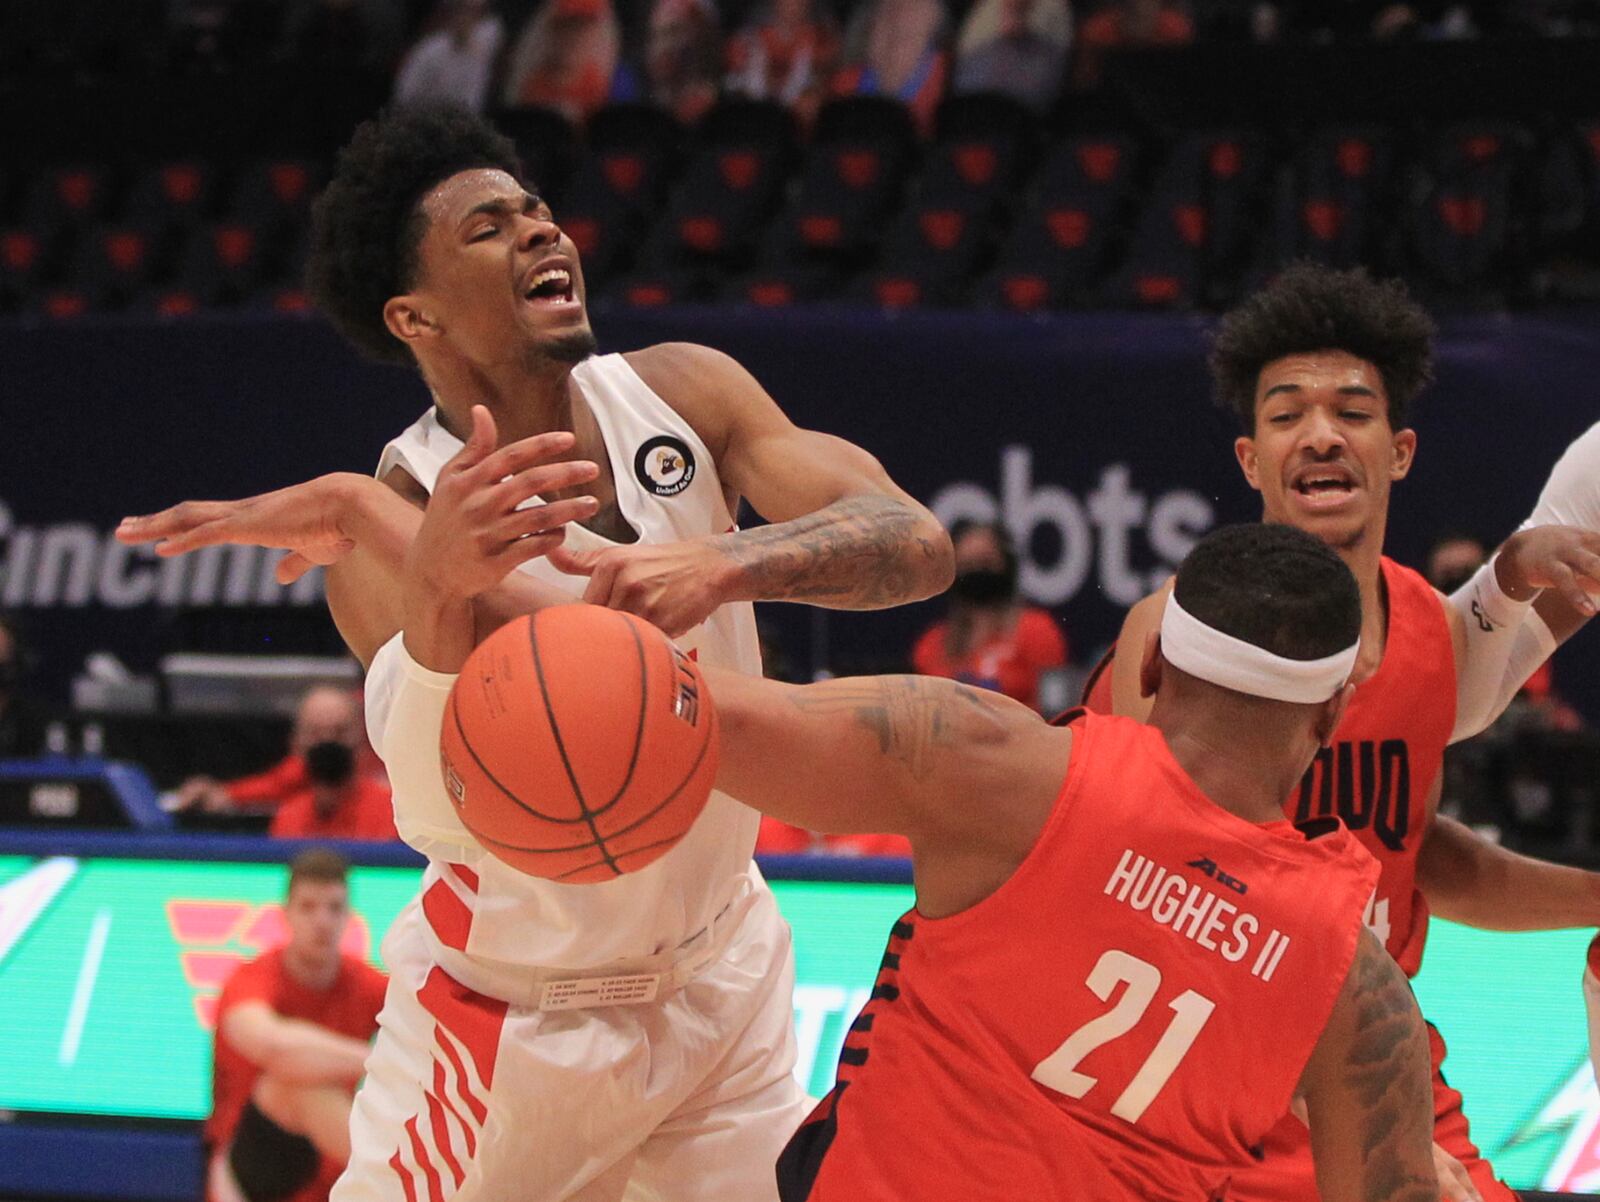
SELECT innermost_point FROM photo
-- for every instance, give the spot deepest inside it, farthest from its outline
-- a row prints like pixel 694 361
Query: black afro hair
pixel 366 226
pixel 1310 307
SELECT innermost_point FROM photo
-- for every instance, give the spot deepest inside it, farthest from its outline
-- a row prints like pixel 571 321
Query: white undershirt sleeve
pixel 405 708
pixel 1491 621
pixel 1501 648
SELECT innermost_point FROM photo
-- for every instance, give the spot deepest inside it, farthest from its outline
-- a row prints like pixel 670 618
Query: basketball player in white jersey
pixel 500 1071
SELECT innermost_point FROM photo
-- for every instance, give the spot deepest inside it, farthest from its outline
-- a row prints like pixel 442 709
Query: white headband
pixel 1193 647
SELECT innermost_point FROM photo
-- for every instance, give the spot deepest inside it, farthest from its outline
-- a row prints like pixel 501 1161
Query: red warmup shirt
pixel 1010 664
pixel 349 1006
pixel 780 839
pixel 288 776
pixel 368 813
pixel 1123 1019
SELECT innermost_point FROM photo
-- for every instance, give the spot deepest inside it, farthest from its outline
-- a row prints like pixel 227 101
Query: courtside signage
pixel 110 970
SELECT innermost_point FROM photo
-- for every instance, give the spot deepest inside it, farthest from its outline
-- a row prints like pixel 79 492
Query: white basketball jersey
pixel 668 490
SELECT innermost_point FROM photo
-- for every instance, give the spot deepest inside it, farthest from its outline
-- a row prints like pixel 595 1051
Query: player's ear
pixel 1150 664
pixel 1332 713
pixel 407 319
pixel 1404 450
pixel 1244 450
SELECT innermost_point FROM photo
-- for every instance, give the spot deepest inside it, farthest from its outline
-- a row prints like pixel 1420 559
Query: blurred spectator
pixel 568 58
pixel 22 721
pixel 894 48
pixel 990 638
pixel 1453 559
pixel 343 35
pixel 1018 47
pixel 293 1028
pixel 338 802
pixel 683 57
pixel 1386 21
pixel 218 34
pixel 780 839
pixel 453 64
pixel 1129 24
pixel 326 715
pixel 786 53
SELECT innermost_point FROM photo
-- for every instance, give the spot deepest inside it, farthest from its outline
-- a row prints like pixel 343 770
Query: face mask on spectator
pixel 983 586
pixel 330 763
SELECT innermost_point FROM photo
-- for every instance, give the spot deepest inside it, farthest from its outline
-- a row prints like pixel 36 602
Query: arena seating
pixel 995 210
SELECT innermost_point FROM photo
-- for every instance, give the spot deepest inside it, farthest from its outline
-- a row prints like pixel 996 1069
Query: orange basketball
pixel 579 744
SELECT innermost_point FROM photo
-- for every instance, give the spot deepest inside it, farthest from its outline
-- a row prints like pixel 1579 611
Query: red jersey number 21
pixel 1059 1070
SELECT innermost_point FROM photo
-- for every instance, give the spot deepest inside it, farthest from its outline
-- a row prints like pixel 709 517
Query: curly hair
pixel 366 226
pixel 1310 307
pixel 1274 586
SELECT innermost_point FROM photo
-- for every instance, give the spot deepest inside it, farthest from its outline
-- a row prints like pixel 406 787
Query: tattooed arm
pixel 913 755
pixel 1367 1091
pixel 842 533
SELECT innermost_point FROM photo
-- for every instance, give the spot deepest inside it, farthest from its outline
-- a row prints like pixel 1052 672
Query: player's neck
pixel 1234 758
pixel 524 399
pixel 1364 558
pixel 310 970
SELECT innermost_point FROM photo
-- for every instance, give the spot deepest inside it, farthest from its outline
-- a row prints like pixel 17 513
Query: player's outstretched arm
pixel 911 755
pixel 1366 1088
pixel 365 531
pixel 1468 879
pixel 842 533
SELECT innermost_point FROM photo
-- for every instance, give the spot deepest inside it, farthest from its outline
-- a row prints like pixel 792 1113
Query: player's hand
pixel 307 520
pixel 674 586
pixel 1454 1183
pixel 473 533
pixel 1564 558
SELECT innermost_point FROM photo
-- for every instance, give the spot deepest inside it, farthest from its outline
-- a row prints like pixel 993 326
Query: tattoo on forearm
pixel 1388 1069
pixel 911 716
pixel 859 553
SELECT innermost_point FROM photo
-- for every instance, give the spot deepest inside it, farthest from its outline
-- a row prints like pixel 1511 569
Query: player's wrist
pixel 357 502
pixel 727 572
pixel 1507 581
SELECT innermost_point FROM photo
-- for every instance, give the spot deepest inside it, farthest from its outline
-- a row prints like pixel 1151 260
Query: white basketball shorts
pixel 688 1098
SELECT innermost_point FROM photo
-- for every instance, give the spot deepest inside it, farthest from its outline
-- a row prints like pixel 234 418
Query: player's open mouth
pixel 1324 488
pixel 553 286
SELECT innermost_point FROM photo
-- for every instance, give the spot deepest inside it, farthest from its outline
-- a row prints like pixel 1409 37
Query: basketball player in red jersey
pixel 1065 890
pixel 1320 367
pixel 293 1031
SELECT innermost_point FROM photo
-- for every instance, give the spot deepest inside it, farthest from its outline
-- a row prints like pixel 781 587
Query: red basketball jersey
pixel 1386 755
pixel 1124 1018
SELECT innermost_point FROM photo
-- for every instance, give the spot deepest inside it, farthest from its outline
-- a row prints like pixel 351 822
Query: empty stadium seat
pixel 1057 251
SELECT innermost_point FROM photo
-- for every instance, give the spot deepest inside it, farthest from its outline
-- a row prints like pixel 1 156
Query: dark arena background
pixel 999 281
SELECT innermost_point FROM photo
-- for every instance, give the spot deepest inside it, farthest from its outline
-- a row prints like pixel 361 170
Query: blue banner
pixel 1092 435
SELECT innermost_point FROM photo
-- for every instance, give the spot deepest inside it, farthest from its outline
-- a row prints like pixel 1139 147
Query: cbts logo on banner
pixel 73 564
pixel 1095 532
